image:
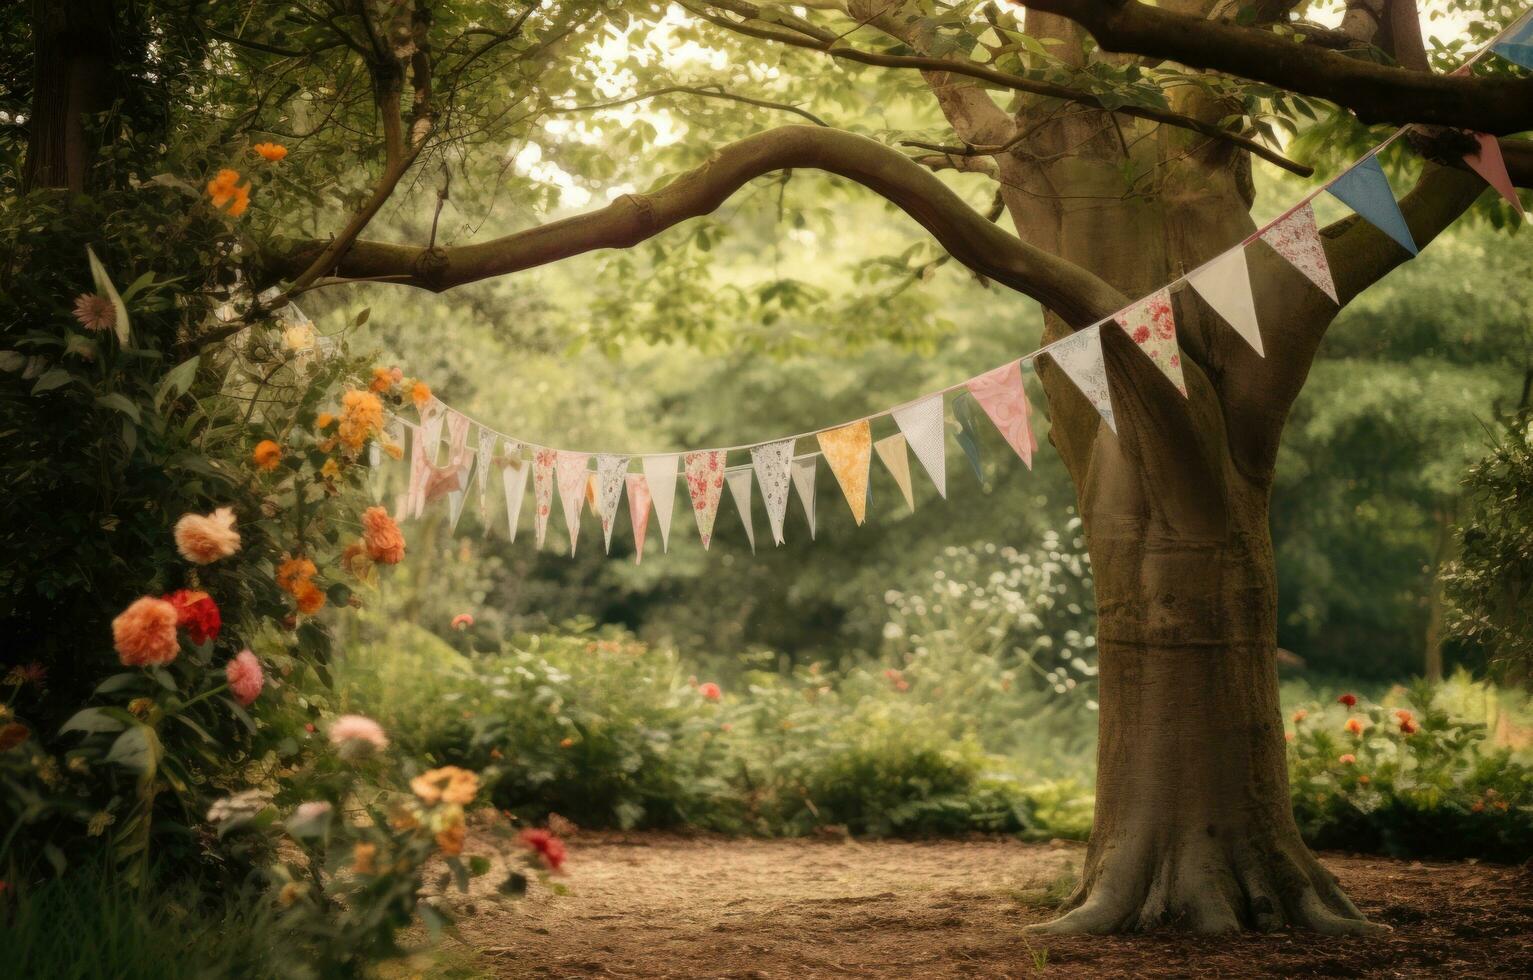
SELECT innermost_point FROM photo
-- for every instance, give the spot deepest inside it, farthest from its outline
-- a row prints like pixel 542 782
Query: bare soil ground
pixel 657 905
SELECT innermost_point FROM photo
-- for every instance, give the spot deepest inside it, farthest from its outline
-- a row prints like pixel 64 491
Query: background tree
pixel 1116 170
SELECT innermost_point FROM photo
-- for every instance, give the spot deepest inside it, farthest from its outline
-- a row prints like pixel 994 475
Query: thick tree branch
pixel 1375 93
pixel 1070 290
pixel 701 91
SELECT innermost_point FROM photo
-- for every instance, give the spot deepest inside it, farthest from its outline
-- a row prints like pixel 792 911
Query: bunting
pixel 638 512
pixel 921 424
pixel 803 484
pixel 610 470
pixel 486 455
pixel 513 476
pixel 891 450
pixel 1295 238
pixel 705 485
pixel 772 462
pixel 570 468
pixel 1079 356
pixel 848 451
pixel 739 480
pixel 543 461
pixel 1151 324
pixel 660 475
pixel 1516 45
pixel 968 433
pixel 1225 285
pixel 1365 189
pixel 1489 164
pixel 1003 396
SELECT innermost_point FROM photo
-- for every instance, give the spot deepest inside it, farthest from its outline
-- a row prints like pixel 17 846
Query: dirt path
pixel 648 905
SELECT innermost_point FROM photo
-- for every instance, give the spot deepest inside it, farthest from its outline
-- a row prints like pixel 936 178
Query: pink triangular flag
pixel 571 469
pixel 1296 238
pixel 1001 394
pixel 705 484
pixel 1151 325
pixel 543 489
pixel 1488 163
pixel 638 512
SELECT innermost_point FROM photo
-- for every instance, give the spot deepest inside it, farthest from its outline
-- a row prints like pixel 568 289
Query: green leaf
pixel 52 379
pixel 92 720
pixel 105 288
pixel 178 380
pixel 117 682
pixel 478 865
pixel 137 749
pixel 121 403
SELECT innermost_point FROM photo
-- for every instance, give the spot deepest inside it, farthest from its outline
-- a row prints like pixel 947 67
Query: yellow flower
pixel 449 784
pixel 361 416
pixel 139 707
pixel 270 152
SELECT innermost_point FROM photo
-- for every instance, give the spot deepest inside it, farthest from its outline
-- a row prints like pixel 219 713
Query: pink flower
pixel 462 621
pixel 95 312
pixel 356 733
pixel 710 691
pixel 145 633
pixel 546 846
pixel 205 538
pixel 245 677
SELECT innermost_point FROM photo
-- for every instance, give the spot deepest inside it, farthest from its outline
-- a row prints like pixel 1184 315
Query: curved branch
pixel 1071 291
pixel 702 91
pixel 1375 93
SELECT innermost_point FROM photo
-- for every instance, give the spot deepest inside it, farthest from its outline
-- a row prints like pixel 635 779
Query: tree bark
pixel 72 80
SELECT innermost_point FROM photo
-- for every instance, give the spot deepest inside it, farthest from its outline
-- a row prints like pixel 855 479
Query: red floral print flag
pixel 1151 324
pixel 705 484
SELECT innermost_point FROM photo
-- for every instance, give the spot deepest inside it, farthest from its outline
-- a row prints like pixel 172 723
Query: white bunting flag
pixel 1225 284
pixel 1080 357
pixel 610 470
pixel 924 432
pixel 892 451
pixel 543 460
pixel 428 442
pixel 772 462
pixel 739 480
pixel 571 471
pixel 705 485
pixel 513 476
pixel 1296 238
pixel 660 474
pixel 638 512
pixel 803 483
pixel 1151 325
pixel 486 455
pixel 459 462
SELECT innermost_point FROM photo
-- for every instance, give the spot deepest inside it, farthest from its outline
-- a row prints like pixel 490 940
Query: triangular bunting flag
pixel 486 454
pixel 638 512
pixel 705 485
pixel 803 484
pixel 1225 284
pixel 1296 239
pixel 513 476
pixel 428 442
pixel 571 470
pixel 1489 164
pixel 772 463
pixel 543 461
pixel 1080 357
pixel 1517 45
pixel 922 426
pixel 892 451
pixel 458 497
pixel 1004 398
pixel 610 471
pixel 1151 324
pixel 739 480
pixel 1365 189
pixel 848 452
pixel 660 474
pixel 968 433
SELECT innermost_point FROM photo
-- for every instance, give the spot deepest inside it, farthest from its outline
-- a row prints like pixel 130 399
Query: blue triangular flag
pixel 1366 190
pixel 1517 45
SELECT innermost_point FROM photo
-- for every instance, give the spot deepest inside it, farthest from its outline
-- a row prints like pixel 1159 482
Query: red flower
pixel 1142 334
pixel 1347 699
pixel 197 612
pixel 546 846
pixel 1408 726
pixel 710 691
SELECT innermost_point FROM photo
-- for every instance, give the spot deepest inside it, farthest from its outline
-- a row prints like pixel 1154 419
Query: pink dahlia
pixel 245 677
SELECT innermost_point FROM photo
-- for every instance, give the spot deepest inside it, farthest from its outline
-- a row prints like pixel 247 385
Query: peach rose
pixel 382 537
pixel 205 538
pixel 145 633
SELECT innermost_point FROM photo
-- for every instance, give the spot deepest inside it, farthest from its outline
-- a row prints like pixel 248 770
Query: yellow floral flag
pixel 848 451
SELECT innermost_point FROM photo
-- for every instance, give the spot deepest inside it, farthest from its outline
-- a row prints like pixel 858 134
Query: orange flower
pixel 267 455
pixel 324 420
pixel 395 452
pixel 361 416
pixel 205 538
pixel 382 537
pixel 145 633
pixel 241 201
pixel 451 839
pixel 270 152
pixel 356 560
pixel 310 598
pixel 362 855
pixel 1300 715
pixel 1347 759
pixel 382 381
pixel 420 394
pixel 331 470
pixel 225 189
pixel 449 784
pixel 293 571
pixel 1355 726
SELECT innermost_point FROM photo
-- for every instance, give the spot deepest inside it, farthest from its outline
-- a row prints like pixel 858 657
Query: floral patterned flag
pixel 1365 189
pixel 922 425
pixel 1296 239
pixel 482 470
pixel 1225 284
pixel 772 462
pixel 638 511
pixel 428 441
pixel 804 469
pixel 1151 324
pixel 460 461
pixel 610 470
pixel 705 484
pixel 660 475
pixel 739 480
pixel 543 461
pixel 513 476
pixel 1488 163
pixel 571 471
pixel 1004 398
pixel 848 451
pixel 892 451
pixel 1080 357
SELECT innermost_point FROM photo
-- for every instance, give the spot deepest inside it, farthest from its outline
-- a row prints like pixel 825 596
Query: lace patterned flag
pixel 513 476
pixel 924 432
pixel 482 471
pixel 610 471
pixel 1225 284
pixel 1080 357
pixel 848 451
pixel 1151 324
pixel 1296 239
pixel 1365 189
pixel 571 471
pixel 638 512
pixel 460 461
pixel 1001 394
pixel 1489 164
pixel 705 484
pixel 772 462
pixel 739 480
pixel 892 451
pixel 428 442
pixel 543 461
pixel 660 475
pixel 803 484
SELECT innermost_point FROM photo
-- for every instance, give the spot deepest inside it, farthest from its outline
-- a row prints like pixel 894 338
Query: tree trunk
pixel 72 80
